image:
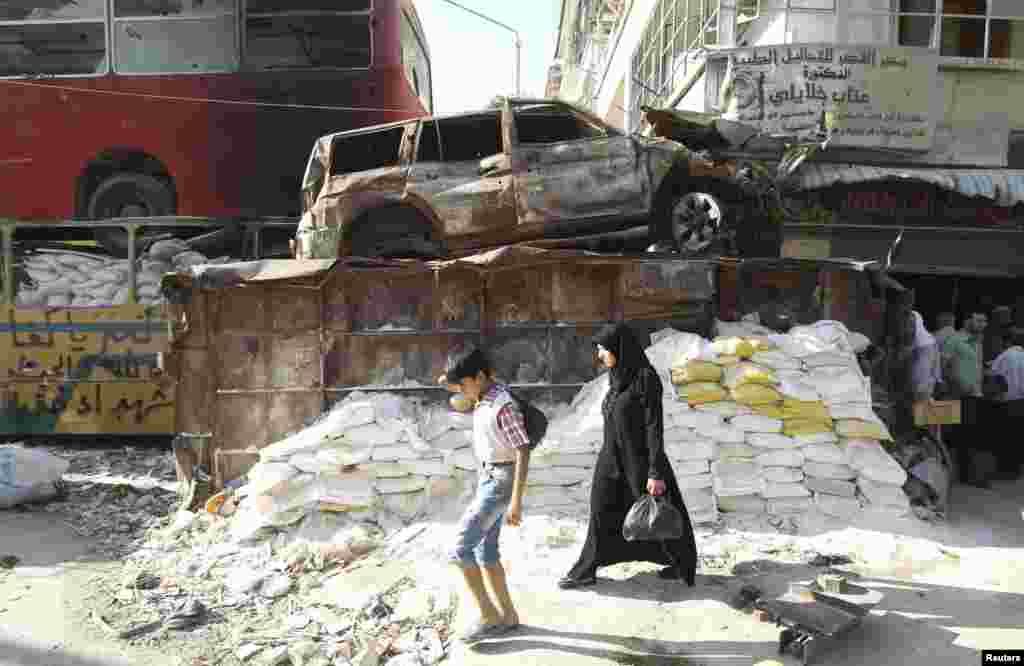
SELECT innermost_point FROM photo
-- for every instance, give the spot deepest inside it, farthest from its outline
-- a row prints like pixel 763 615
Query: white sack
pixel 23 468
pixel 782 474
pixel 781 458
pixel 774 490
pixel 764 440
pixel 824 453
pixel 723 434
pixel 691 450
pixel 831 486
pixel 754 423
pixel 751 503
pixel 845 508
pixel 690 467
pixel 873 462
pixel 829 471
pixel 695 482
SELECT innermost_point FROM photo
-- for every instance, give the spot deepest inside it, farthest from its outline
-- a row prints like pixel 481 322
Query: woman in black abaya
pixel 632 462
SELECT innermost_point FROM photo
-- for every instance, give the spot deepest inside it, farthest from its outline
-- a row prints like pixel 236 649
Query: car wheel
pixel 127 195
pixel 395 232
pixel 697 219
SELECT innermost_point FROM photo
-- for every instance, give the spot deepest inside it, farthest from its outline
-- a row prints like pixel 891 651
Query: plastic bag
pixel 652 519
pixel 24 468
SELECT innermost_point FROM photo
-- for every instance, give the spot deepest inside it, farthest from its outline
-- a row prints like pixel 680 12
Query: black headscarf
pixel 629 355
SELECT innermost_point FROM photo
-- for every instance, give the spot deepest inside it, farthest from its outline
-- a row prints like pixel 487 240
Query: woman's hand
pixel 655 487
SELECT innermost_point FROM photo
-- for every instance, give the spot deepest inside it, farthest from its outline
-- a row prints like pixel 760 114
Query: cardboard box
pixel 940 412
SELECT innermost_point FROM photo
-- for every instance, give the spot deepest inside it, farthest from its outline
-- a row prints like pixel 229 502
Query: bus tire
pixel 127 195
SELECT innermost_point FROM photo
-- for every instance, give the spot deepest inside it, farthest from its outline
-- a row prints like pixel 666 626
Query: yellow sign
pixel 85 371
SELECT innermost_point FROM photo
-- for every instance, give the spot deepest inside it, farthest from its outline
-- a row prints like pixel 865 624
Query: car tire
pixel 395 232
pixel 696 218
pixel 127 195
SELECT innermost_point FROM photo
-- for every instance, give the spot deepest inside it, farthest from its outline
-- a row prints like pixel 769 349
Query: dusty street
pixel 948 591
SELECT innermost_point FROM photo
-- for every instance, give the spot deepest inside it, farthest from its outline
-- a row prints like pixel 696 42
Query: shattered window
pixel 31 10
pixel 179 8
pixel 415 60
pixel 551 124
pixel 366 151
pixel 56 49
pixel 470 138
pixel 282 35
pixel 173 46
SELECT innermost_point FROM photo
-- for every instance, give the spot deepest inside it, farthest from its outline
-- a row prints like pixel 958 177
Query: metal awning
pixel 1004 186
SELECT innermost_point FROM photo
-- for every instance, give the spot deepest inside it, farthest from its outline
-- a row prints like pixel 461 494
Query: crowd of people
pixel 981 365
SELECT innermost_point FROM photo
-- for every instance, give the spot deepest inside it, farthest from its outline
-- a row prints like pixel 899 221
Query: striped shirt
pixel 510 419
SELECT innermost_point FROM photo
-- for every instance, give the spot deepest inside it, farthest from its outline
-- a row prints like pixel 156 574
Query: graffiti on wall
pixel 85 371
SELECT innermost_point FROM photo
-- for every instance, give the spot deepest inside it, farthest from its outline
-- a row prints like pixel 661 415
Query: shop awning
pixel 1004 186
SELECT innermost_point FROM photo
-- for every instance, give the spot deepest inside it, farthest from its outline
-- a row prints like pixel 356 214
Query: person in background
pixel 502 448
pixel 964 374
pixel 1010 367
pixel 632 463
pixel 945 326
pixel 998 332
pixel 925 367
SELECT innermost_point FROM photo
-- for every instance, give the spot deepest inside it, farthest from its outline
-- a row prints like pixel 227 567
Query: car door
pixel 569 168
pixel 462 173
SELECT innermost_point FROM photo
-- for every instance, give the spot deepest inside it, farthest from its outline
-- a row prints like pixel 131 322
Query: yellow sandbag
pixel 755 394
pixel 733 347
pixel 697 393
pixel 696 371
pixel 769 411
pixel 748 373
pixel 726 360
pixel 800 427
pixel 805 409
pixel 857 429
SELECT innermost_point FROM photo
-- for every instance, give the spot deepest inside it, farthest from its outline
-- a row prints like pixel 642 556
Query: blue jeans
pixel 476 542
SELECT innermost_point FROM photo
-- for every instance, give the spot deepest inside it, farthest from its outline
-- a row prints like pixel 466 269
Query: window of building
pixel 308 34
pixel 676 29
pixel 415 60
pixel 63 38
pixel 175 36
pixel 470 138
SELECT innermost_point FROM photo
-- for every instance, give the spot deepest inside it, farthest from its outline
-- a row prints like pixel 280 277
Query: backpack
pixel 536 422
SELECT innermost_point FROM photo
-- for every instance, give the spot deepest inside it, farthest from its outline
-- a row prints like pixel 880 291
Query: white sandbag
pixel 554 458
pixel 754 423
pixel 584 421
pixel 695 482
pixel 394 453
pixel 12 496
pixel 773 490
pixel 557 476
pixel 831 359
pixel 859 342
pixel 432 468
pixel 781 506
pixel 697 449
pixel 750 503
pixel 439 419
pixel 23 467
pixel 352 412
pixel 735 478
pixel 462 459
pixel 408 484
pixel 837 384
pixel 723 434
pixel 776 360
pixel 698 499
pixel 675 349
pixel 370 435
pixel 824 453
pixel 798 389
pixel 883 494
pixel 334 456
pixel 690 467
pixel 268 477
pixel 748 373
pixel 816 438
pixel 764 440
pixel 781 458
pixel 829 471
pixel 782 474
pixel 727 451
pixel 873 462
pixel 391 470
pixel 451 440
pixel 845 508
pixel 682 434
pixel 823 335
pixel 857 429
pixel 695 419
pixel 831 486
pixel 726 410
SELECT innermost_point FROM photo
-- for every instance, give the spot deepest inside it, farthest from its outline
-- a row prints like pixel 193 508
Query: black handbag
pixel 652 519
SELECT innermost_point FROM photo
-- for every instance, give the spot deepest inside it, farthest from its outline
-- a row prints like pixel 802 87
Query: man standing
pixel 997 333
pixel 964 373
pixel 945 324
pixel 1010 366
pixel 502 449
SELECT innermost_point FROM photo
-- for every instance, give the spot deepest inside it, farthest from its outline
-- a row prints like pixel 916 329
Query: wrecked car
pixel 530 170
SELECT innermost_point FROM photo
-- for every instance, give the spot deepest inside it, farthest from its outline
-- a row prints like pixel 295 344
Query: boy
pixel 502 449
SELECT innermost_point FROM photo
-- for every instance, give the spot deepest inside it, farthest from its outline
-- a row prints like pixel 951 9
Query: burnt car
pixel 532 169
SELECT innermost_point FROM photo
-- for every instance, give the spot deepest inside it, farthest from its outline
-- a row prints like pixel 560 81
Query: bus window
pixel 29 10
pixel 282 35
pixel 170 36
pixel 415 61
pixel 56 49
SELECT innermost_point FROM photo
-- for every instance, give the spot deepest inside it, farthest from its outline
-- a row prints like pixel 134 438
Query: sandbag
pixel 828 358
pixel 722 434
pixel 674 349
pixel 776 360
pixel 829 471
pixel 748 373
pixel 734 346
pixel 845 508
pixel 750 503
pixel 857 429
pixel 771 411
pixel 726 410
pixel 695 482
pixel 802 426
pixel 25 468
pixel 817 438
pixel 690 467
pixel 883 494
pixel 824 453
pixel 726 451
pixel 831 486
pixel 839 384
pixel 696 419
pixel 805 409
pixel 755 423
pixel 795 388
pixel 696 371
pixel 773 490
pixel 681 434
pixel 12 496
pixel 727 360
pixel 735 478
pixel 763 440
pixel 700 392
pixel 782 474
pixel 789 505
pixel 697 449
pixel 873 462
pixel 781 458
pixel 755 394
pixel 371 434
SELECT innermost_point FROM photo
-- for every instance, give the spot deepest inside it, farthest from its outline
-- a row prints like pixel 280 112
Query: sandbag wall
pixel 263 353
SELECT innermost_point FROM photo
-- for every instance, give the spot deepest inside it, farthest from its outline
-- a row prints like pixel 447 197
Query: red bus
pixel 129 108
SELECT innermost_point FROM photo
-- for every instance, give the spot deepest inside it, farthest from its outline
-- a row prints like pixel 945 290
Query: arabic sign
pixel 85 371
pixel 872 97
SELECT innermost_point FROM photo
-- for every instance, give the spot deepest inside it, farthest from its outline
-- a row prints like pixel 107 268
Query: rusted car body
pixel 532 169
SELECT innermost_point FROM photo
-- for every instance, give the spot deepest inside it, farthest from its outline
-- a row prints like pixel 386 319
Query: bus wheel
pixel 127 195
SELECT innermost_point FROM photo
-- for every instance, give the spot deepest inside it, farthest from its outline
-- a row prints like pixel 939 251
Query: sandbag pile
pixel 789 418
pixel 61 279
